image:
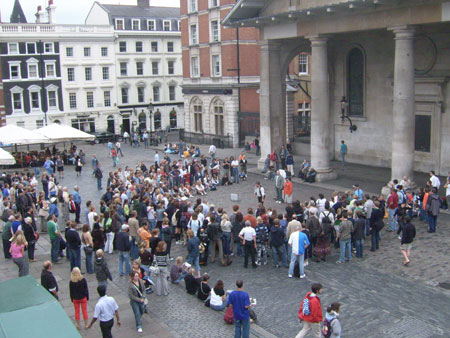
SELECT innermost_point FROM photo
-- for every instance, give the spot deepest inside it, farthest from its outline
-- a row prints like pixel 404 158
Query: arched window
pixel 142 121
pixel 110 124
pixel 217 109
pixel 173 118
pixel 355 82
pixel 197 109
pixel 157 120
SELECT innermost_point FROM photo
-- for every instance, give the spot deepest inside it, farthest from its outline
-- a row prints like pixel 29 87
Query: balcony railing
pixel 47 28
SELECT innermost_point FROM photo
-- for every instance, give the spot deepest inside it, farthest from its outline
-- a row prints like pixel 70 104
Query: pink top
pixel 16 250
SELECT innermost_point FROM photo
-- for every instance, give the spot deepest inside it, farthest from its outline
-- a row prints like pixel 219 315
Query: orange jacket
pixel 288 188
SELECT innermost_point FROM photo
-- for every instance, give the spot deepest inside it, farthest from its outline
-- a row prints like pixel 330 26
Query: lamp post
pixel 344 114
pixel 150 110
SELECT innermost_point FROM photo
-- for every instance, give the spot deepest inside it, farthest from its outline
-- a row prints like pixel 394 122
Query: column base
pixel 325 175
pixel 386 190
pixel 260 164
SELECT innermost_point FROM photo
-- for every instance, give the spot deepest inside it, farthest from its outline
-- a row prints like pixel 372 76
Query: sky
pixel 69 11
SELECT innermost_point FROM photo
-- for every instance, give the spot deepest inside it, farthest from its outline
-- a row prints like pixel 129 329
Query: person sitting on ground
pixel 178 270
pixel 311 176
pixel 191 282
pixel 204 289
pixel 219 300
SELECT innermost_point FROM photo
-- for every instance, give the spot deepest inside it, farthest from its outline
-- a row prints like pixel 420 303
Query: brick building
pixel 220 72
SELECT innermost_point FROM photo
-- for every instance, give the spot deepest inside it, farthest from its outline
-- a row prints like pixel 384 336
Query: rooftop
pixel 139 12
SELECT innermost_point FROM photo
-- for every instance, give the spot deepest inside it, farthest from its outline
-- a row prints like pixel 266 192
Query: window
pixel 422 138
pixel 88 74
pixel 31 48
pixel 170 47
pixel 139 47
pixel 13 48
pixel 197 107
pixel 17 100
pixel 155 68
pixel 192 6
pixel 303 125
pixel 104 51
pixel 69 51
pixel 39 123
pixel 154 45
pixel 73 100
pixel 157 120
pixel 215 31
pixel 213 3
pixel 123 68
pixel 171 93
pixel 122 46
pixel 166 25
pixel 178 25
pixel 355 82
pixel 90 99
pixel 50 70
pixel 14 70
pixel 173 118
pixel 151 26
pixel 51 98
pixel 20 124
pixel 171 67
pixel 156 94
pixel 32 71
pixel 86 124
pixel 303 64
pixel 35 100
pixel 141 94
pixel 48 47
pixel 124 92
pixel 136 24
pixel 87 51
pixel 139 68
pixel 119 24
pixel 194 67
pixel 107 98
pixel 70 74
pixel 194 39
pixel 105 73
pixel 218 116
pixel 216 68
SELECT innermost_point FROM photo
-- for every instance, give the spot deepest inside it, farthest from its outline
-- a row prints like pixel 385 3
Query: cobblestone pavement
pixel 379 297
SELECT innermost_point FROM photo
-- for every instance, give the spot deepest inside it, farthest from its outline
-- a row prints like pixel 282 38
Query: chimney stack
pixel 51 12
pixel 39 15
pixel 143 3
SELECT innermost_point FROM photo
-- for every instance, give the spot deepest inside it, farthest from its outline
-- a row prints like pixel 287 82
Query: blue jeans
pixel 367 227
pixel 226 237
pixel 276 251
pixel 55 249
pixel 75 258
pixel 375 240
pixel 134 251
pixel 36 171
pixel 392 219
pixel 238 248
pixel 432 223
pixel 151 224
pixel 138 310
pixel 236 175
pixel 195 261
pixel 242 326
pixel 279 194
pixel 124 257
pixel 220 307
pixel 99 183
pixel 359 247
pixel 346 245
pixel 89 265
pixel 421 212
pixel 294 258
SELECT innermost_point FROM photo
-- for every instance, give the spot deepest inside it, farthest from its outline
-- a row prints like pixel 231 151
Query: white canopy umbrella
pixel 14 135
pixel 60 133
pixel 6 158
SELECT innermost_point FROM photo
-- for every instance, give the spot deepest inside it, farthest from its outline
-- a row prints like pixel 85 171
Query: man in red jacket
pixel 310 312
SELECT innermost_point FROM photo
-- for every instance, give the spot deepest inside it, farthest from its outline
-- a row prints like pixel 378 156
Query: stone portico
pixel 389 58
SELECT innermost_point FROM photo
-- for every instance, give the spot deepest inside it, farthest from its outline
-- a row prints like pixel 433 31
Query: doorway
pixel 126 124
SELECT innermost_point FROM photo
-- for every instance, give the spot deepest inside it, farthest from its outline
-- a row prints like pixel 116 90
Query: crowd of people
pixel 147 209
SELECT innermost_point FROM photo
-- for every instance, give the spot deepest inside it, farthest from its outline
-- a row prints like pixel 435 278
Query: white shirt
pixel 293 242
pixel 235 163
pixel 435 182
pixel 91 216
pixel 156 158
pixel 321 204
pixel 105 308
pixel 326 213
pixel 248 233
pixel 259 192
pixel 212 149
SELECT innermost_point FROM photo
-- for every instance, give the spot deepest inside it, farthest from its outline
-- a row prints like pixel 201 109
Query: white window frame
pixel 136 46
pixel 178 25
pixel 157 93
pixel 15 64
pixel 151 46
pixel 73 98
pixel 164 25
pixel 168 67
pixel 87 49
pixel 141 92
pixel 89 98
pixel 153 24
pixel 107 98
pixel 173 47
pixel 193 38
pixel 214 35
pixel 174 88
pixel 32 90
pixel 195 67
pixel 104 49
pixel 116 21
pixel 214 71
pixel 17 90
pixel 157 68
pixel 214 3
pixel 39 123
pixel 105 73
pixel 137 68
pixel 300 63
pixel 54 89
pixel 86 74
pixel 71 52
pixel 35 63
pixel 73 74
pixel 126 68
pixel 17 48
pixel 120 47
pixel 53 64
pixel 52 47
pixel 132 24
pixel 124 90
pixel 193 6
pixel 35 48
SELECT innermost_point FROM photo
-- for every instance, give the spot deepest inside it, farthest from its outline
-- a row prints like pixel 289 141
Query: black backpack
pixel 326 218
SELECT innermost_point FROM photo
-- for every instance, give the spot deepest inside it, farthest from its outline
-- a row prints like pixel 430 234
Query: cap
pixel 125 227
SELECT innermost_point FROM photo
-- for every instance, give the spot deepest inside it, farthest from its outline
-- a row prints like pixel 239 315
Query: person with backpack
pixel 215 236
pixel 98 175
pixel 310 312
pixel 262 239
pixel 314 228
pixel 331 324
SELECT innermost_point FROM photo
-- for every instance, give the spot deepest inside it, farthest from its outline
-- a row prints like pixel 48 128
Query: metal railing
pixel 220 141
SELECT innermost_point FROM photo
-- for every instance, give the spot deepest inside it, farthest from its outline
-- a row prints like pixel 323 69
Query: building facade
pixel 384 64
pixel 2 102
pixel 148 64
pixel 220 72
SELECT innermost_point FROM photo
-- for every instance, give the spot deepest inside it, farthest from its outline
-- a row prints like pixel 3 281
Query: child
pixel 331 323
pixel 203 236
pixel 179 270
pixel 101 269
pixel 308 251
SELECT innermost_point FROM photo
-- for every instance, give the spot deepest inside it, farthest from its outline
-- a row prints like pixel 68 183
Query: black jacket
pixel 408 233
pixel 123 241
pixel 101 270
pixel 73 239
pixel 276 236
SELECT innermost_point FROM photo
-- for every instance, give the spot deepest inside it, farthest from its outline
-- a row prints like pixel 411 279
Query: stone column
pixel 320 110
pixel 272 98
pixel 403 115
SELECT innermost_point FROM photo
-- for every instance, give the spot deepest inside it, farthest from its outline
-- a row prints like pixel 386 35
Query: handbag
pixel 228 317
pixel 154 268
pixel 140 294
pixel 88 250
pixel 43 212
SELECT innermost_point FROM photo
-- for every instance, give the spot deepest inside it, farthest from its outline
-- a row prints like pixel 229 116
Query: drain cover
pixel 445 285
pixel 412 327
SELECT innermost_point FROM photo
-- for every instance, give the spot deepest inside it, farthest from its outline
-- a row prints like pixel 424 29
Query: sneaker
pixel 339 262
pixel 306 264
pixel 399 237
pixel 140 330
pixel 290 276
pixel 303 276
